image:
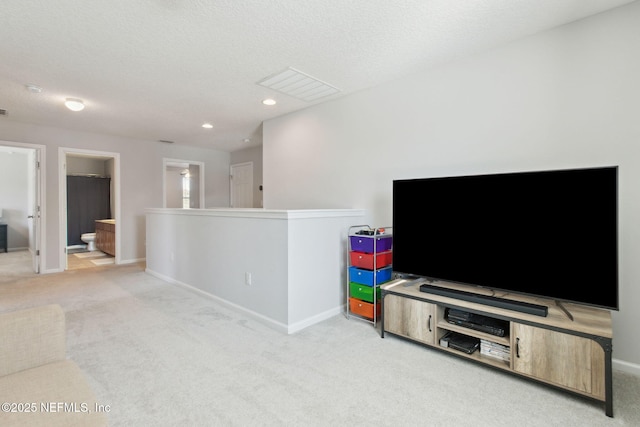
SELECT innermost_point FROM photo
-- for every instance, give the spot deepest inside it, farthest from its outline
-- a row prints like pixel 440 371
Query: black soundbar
pixel 523 307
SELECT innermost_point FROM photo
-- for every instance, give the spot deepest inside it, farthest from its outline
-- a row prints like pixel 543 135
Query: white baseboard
pixel 298 326
pixel 630 368
pixel 287 329
pixel 132 261
pixel 263 319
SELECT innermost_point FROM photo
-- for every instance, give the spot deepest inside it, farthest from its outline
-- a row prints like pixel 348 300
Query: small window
pixel 186 179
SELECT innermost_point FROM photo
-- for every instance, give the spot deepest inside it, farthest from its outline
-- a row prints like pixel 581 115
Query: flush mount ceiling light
pixel 74 104
pixel 299 85
pixel 269 101
pixel 207 126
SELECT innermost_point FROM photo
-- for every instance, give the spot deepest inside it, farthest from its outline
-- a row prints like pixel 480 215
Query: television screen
pixel 550 233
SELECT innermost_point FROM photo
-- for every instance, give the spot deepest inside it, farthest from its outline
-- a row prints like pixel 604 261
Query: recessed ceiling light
pixel 207 126
pixel 74 104
pixel 269 101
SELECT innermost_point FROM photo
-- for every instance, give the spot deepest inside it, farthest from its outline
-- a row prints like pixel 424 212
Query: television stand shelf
pixel 573 355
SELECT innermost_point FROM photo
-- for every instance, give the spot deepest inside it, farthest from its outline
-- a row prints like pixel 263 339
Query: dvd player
pixel 477 322
pixel 488 329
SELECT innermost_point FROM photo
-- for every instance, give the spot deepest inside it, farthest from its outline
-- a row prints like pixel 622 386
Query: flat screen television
pixel 551 234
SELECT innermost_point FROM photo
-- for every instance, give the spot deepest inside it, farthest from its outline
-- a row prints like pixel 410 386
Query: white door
pixel 34 206
pixel 34 194
pixel 242 185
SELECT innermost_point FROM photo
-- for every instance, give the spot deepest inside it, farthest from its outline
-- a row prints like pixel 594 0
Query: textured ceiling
pixel 159 69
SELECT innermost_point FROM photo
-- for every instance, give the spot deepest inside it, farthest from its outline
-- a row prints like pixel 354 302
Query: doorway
pixel 96 165
pixel 183 184
pixel 21 208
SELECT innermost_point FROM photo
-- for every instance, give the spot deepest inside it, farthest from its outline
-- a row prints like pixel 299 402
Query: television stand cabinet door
pixel 410 318
pixel 572 362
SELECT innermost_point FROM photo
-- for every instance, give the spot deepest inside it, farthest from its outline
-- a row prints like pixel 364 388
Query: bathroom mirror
pixel 183 184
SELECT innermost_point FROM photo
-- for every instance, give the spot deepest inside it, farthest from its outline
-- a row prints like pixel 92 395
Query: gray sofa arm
pixel 31 338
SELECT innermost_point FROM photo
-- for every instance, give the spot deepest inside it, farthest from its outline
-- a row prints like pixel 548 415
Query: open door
pixel 24 204
pixel 34 207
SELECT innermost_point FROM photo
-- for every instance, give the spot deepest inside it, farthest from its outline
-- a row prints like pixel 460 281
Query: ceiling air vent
pixel 299 85
pixel 166 141
pixel 3 112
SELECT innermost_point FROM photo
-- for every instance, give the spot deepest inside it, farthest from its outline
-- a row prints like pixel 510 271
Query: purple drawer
pixel 366 243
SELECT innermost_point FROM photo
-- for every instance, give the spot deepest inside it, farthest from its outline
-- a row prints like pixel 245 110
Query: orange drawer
pixel 363 308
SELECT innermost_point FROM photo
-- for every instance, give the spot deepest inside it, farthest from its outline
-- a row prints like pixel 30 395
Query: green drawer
pixel 363 292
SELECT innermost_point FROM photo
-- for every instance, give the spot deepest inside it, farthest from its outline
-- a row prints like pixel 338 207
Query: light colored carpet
pixel 15 264
pixel 161 355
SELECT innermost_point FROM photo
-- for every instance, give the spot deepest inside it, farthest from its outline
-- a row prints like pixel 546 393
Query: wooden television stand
pixel 573 355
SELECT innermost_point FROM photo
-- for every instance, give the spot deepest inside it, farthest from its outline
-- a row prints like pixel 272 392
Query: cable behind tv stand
pixel 521 306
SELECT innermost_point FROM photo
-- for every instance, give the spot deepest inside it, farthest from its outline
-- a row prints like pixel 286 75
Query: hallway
pixel 19 264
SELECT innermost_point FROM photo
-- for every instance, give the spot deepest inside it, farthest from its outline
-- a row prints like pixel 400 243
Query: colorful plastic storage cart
pixel 370 264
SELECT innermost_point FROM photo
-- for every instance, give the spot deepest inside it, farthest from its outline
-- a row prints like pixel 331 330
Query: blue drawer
pixel 369 277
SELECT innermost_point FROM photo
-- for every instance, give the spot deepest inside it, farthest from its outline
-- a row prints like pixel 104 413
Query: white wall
pixel 296 259
pixel 141 169
pixel 87 166
pixel 212 253
pixel 566 98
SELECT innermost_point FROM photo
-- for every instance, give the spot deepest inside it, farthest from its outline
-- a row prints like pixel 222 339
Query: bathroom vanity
pixel 106 236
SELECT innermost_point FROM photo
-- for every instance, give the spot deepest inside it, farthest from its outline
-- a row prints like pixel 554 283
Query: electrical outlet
pixel 247 279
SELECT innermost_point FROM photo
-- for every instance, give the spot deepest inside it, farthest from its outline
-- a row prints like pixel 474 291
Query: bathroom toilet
pixel 90 240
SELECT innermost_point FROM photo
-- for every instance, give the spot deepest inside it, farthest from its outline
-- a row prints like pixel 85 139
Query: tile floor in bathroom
pixel 88 259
